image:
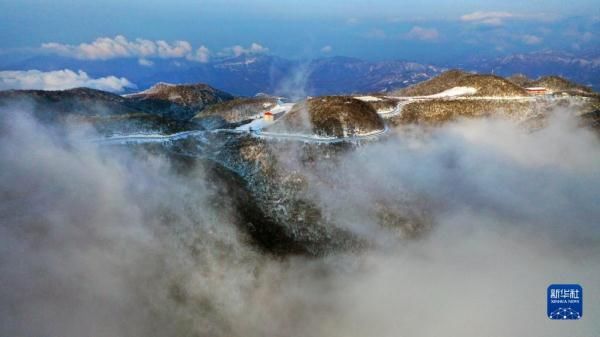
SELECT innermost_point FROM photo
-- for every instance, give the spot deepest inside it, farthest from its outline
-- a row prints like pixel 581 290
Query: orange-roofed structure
pixel 268 116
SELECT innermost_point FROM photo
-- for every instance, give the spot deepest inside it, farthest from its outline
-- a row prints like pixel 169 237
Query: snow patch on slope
pixel 255 125
pixel 456 91
pixel 368 98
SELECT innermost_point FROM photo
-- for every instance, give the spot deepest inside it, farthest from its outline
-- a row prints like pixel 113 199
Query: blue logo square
pixel 565 301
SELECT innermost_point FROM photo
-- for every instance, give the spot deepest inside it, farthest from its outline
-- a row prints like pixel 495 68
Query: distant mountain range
pixel 248 75
pixel 584 69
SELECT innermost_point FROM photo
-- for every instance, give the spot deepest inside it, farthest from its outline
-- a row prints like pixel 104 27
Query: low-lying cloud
pixel 327 49
pixel 98 241
pixel 60 80
pixel 105 48
pixel 111 241
pixel 238 50
pixel 488 18
pixel 495 18
pixel 531 39
pixel 422 33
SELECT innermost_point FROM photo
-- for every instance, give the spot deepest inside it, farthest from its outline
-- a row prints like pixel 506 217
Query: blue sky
pixel 432 31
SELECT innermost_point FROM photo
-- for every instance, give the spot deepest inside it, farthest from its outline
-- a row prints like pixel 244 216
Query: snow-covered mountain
pixel 248 75
pixel 582 68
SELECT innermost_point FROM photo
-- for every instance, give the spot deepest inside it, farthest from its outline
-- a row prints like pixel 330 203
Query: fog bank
pixel 107 241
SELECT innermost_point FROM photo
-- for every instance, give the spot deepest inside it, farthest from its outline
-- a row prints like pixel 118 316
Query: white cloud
pixel 327 49
pixel 425 34
pixel 239 50
pixel 177 50
pixel 105 48
pixel 488 18
pixel 531 39
pixel 499 18
pixel 60 80
pixel 145 62
pixel 202 55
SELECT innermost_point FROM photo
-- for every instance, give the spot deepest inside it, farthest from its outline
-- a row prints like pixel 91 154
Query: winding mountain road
pixel 159 138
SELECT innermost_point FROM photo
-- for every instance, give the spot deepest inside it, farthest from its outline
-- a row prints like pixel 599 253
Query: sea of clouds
pixel 107 241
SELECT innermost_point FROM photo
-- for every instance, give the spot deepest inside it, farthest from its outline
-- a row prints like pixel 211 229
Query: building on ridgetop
pixel 268 116
pixel 537 91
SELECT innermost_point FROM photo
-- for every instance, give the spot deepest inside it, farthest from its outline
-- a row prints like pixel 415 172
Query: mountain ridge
pixel 247 75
